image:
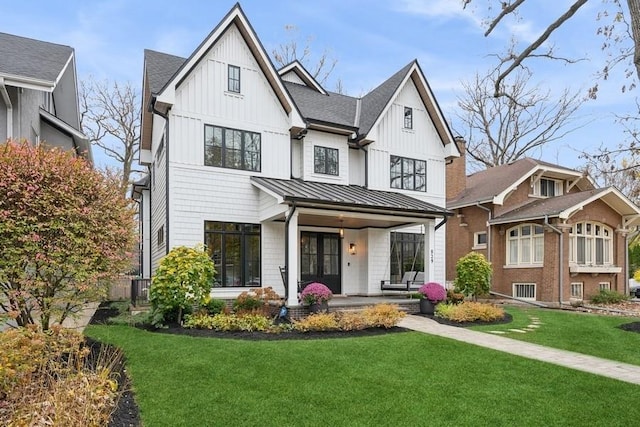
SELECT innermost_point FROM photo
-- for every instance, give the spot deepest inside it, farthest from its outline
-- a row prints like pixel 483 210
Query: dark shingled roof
pixel 375 101
pixel 160 68
pixel 331 108
pixel 352 196
pixel 551 206
pixel 20 56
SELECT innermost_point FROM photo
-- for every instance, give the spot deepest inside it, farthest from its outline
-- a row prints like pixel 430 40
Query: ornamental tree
pixel 183 279
pixel 65 231
pixel 473 275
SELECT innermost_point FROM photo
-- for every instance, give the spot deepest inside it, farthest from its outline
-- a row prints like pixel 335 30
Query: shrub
pixel 469 311
pixel 433 291
pixel 45 379
pixel 317 322
pixel 383 315
pixel 213 305
pixel 454 297
pixel 256 300
pixel 65 229
pixel 473 275
pixel 183 279
pixel 228 322
pixel 606 296
pixel 351 321
pixel 316 293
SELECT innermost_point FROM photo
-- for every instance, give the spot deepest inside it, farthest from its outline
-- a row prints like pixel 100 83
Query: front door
pixel 320 259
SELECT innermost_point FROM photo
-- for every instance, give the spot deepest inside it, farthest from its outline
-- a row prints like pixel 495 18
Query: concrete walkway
pixel 581 362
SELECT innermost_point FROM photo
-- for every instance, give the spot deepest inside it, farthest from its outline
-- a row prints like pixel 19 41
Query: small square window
pixel 524 290
pixel 576 290
pixel 233 84
pixel 480 240
pixel 325 160
pixel 604 286
pixel 408 118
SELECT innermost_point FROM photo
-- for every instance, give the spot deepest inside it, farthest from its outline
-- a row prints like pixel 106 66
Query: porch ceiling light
pixel 341 230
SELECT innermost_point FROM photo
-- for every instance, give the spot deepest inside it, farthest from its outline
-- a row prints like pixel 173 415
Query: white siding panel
pixel 324 139
pixel 377 259
pixel 272 241
pixel 356 167
pixel 293 78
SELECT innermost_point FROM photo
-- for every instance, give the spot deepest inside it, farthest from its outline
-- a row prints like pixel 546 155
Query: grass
pixel 394 379
pixel 591 334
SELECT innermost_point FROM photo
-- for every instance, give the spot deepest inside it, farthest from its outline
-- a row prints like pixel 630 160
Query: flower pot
pixel 426 306
pixel 319 307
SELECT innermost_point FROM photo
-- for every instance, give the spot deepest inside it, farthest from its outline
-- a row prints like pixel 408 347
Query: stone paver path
pixel 581 362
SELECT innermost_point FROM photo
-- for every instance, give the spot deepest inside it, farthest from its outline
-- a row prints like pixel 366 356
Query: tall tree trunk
pixel 634 12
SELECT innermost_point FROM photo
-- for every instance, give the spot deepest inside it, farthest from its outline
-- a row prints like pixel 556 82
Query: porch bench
pixel 411 281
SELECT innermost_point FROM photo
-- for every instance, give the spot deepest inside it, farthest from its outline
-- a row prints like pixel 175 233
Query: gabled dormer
pixel 295 72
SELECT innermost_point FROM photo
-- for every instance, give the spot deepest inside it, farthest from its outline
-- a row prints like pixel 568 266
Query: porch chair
pixel 411 280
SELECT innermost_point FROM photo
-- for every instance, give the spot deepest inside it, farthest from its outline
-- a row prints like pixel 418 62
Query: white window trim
pixel 477 245
pixel 581 287
pixel 532 236
pixel 516 284
pixel 604 285
pixel 608 249
pixel 558 184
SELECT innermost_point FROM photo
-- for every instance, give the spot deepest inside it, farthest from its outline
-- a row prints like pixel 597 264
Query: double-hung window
pixel 408 174
pixel 546 187
pixel 325 160
pixel 525 245
pixel 231 148
pixel 235 250
pixel 233 78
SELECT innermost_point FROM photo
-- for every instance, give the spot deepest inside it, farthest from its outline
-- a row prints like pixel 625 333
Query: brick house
pixel 549 232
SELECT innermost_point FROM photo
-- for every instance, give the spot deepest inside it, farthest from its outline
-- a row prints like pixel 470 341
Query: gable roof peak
pixel 303 74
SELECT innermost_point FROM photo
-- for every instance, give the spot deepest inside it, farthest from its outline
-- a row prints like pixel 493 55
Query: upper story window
pixel 590 243
pixel 408 174
pixel 546 187
pixel 233 79
pixel 325 160
pixel 231 148
pixel 408 118
pixel 525 245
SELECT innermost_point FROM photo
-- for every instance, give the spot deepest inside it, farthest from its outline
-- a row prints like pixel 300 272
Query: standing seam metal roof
pixel 347 195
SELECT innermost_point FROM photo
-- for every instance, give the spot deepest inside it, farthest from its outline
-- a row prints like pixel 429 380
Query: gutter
pixel 286 249
pixel 166 178
pixel 560 255
pixel 488 229
pixel 7 101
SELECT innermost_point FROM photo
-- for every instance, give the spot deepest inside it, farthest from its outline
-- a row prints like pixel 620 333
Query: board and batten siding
pixel 329 140
pixel 158 187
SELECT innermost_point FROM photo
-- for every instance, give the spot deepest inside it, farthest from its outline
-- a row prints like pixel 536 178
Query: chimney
pixel 456 171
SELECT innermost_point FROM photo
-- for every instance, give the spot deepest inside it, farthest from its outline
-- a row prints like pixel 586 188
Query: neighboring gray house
pixel 39 94
pixel 269 170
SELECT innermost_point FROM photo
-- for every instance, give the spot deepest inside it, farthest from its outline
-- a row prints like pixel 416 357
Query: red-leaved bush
pixel 65 229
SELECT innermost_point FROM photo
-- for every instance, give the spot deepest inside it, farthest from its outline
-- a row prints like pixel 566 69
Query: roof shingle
pixel 35 59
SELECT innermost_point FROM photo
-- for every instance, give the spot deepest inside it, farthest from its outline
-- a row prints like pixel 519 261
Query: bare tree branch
pixel 110 117
pixel 501 130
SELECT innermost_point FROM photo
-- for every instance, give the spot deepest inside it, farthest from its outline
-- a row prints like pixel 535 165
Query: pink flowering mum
pixel 316 293
pixel 433 291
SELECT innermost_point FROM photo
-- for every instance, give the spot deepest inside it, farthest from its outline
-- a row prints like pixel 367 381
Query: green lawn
pixel 394 379
pixel 581 332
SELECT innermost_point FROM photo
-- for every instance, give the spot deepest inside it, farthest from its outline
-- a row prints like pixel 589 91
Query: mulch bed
pixel 631 327
pixel 506 319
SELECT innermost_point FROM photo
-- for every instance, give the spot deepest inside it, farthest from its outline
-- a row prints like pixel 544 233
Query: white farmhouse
pixel 273 172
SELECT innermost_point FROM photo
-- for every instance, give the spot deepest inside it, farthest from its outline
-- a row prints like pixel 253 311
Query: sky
pixel 370 39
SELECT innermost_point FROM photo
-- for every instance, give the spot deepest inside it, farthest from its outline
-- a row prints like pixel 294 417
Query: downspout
pixel 488 229
pixel 286 249
pixel 560 255
pixel 7 101
pixel 441 223
pixel 166 173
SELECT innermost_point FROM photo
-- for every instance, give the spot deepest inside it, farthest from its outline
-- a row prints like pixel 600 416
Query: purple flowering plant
pixel 433 291
pixel 315 293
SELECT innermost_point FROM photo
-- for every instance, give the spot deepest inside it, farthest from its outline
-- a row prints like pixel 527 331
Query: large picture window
pixel 407 254
pixel 231 148
pixel 525 245
pixel 235 250
pixel 408 174
pixel 590 243
pixel 325 160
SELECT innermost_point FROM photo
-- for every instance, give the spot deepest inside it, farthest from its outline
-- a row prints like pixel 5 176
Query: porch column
pixel 429 251
pixel 293 257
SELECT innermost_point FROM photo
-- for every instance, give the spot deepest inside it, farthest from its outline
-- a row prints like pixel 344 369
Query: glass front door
pixel 320 259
